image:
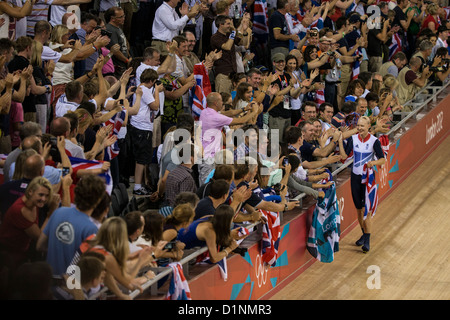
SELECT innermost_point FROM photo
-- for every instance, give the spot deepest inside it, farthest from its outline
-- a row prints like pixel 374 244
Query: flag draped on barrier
pixel 324 235
pixel 179 287
pixel 270 237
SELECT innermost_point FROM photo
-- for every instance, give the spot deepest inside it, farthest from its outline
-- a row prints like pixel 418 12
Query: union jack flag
pixel 356 65
pixel 179 287
pixel 371 197
pixel 368 177
pixel 396 45
pixel 116 121
pixel 78 163
pixel 260 17
pixel 271 234
pixel 201 90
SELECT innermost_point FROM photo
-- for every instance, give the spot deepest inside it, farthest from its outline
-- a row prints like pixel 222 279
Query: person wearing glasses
pixel 115 19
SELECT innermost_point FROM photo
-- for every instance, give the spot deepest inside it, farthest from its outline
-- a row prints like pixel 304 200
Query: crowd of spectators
pixel 114 83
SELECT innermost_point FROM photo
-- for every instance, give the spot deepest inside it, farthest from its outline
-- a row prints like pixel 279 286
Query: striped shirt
pixel 39 12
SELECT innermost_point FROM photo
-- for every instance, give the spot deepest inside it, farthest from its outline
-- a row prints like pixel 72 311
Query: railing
pixel 417 107
pixel 162 272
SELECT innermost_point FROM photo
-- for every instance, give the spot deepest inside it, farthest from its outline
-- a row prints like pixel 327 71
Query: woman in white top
pixel 59 38
pixel 63 73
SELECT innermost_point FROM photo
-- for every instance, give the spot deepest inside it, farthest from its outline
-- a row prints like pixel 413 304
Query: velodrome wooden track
pixel 409 246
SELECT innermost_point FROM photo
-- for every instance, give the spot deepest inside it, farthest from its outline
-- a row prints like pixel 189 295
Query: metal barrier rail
pixel 184 261
pixel 417 107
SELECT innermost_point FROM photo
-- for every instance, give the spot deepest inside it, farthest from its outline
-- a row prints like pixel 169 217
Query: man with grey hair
pixel 425 49
pixel 411 80
pixel 28 129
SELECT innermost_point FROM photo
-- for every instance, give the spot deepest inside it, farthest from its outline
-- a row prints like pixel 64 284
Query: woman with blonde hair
pixel 20 225
pixel 112 241
pixel 431 21
pixel 63 73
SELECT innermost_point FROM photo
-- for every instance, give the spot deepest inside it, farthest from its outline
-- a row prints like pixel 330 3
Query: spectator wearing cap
pixel 280 113
pixel 397 62
pixel 279 34
pixel 441 42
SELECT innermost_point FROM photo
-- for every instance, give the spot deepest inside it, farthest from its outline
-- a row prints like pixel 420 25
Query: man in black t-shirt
pixel 280 114
pixel 115 18
pixel 279 34
pixel 218 193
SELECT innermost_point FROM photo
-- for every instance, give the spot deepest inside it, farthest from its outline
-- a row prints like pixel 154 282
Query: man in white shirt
pixel 42 31
pixel 61 127
pixel 145 107
pixel 70 100
pixel 152 61
pixel 168 24
pixel 182 72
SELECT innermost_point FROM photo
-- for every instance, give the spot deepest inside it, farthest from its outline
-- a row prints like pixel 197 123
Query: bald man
pixel 212 123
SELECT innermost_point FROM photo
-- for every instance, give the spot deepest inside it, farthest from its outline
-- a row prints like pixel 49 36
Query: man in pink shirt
pixel 212 123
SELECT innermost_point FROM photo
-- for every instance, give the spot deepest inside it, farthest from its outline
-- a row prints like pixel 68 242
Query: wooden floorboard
pixel 409 246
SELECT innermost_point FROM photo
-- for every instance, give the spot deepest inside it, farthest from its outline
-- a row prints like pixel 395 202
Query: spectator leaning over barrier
pixel 112 241
pixel 135 226
pixel 214 232
pixel 244 176
pixel 218 193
